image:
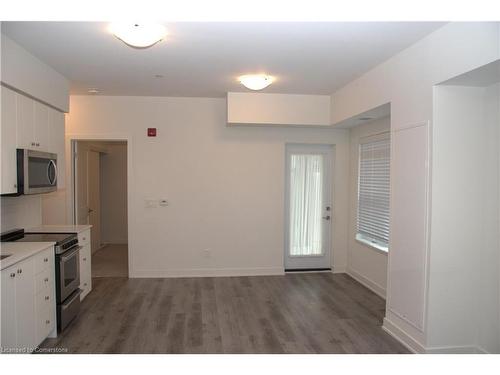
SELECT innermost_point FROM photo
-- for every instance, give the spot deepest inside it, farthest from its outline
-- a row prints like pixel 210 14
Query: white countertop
pixel 60 228
pixel 20 251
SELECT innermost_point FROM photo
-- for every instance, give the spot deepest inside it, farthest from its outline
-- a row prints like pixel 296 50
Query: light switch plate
pixel 151 203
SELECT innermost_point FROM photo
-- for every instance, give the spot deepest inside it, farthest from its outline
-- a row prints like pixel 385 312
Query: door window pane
pixel 306 203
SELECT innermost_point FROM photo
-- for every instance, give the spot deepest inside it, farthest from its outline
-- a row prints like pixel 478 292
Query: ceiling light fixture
pixel 93 91
pixel 256 81
pixel 138 35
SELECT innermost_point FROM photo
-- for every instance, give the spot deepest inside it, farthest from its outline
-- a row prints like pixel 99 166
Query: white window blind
pixel 373 192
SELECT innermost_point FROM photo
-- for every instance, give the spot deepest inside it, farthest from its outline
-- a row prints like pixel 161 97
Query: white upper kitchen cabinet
pixel 56 143
pixel 25 122
pixel 29 124
pixel 9 142
pixel 41 128
pixel 32 124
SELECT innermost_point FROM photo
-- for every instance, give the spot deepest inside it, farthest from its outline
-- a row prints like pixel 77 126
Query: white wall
pixel 488 337
pixel 113 170
pixel 54 208
pixel 225 185
pixel 365 263
pixel 406 81
pixel 278 109
pixel 465 217
pixel 20 212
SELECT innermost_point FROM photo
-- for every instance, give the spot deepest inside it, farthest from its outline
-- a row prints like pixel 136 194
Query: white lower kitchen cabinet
pixel 85 263
pixel 8 329
pixel 28 302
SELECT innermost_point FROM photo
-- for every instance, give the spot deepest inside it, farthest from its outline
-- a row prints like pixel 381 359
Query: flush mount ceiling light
pixel 256 81
pixel 138 35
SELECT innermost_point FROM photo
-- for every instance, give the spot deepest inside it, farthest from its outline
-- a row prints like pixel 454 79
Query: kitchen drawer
pixel 84 238
pixel 44 280
pixel 85 259
pixel 44 260
pixel 45 300
pixel 85 286
pixel 45 323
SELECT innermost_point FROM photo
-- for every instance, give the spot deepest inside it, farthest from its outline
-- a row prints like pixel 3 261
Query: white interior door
pixel 94 197
pixel 87 190
pixel 308 207
pixel 80 165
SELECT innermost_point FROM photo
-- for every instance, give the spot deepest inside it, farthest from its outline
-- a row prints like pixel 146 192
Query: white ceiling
pixel 204 59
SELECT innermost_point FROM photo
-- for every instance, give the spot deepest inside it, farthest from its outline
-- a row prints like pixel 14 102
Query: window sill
pixel 373 246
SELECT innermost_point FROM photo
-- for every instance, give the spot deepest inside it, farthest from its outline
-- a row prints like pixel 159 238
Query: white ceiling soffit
pixel 371 115
pixel 205 59
pixel 485 75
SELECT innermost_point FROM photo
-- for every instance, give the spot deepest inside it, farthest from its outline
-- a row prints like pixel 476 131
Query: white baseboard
pixel 207 272
pixel 373 286
pixel 455 350
pixel 413 345
pixel 339 269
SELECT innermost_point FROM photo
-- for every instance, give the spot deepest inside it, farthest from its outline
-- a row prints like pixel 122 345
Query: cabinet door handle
pixel 45 260
pixel 47 321
pixel 46 298
pixel 84 284
pixel 46 280
pixel 33 143
pixel 12 274
pixel 84 238
pixel 19 270
pixel 84 259
pixel 37 144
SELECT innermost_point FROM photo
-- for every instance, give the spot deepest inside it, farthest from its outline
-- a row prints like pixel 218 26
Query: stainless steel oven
pixel 36 172
pixel 67 285
pixel 67 273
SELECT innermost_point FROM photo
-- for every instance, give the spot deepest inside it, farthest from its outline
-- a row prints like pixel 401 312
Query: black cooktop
pixel 19 235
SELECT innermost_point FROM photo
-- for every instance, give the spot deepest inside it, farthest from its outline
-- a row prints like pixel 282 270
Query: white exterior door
pixel 308 207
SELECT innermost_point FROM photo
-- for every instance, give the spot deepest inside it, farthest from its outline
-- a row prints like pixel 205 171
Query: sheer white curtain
pixel 306 201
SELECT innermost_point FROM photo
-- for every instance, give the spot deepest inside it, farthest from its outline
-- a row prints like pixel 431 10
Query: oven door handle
pixel 67 303
pixel 72 252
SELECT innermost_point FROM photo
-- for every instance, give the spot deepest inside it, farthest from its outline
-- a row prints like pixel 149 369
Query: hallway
pixel 110 261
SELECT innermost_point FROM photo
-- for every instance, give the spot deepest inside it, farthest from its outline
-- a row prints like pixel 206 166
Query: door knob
pixel 327 217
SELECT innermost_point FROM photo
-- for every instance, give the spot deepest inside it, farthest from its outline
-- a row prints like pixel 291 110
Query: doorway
pixel 100 199
pixel 308 207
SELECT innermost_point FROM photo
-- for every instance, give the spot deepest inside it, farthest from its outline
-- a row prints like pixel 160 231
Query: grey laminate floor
pixel 110 261
pixel 296 313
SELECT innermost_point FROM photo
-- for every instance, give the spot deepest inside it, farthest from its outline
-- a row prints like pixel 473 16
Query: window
pixel 373 191
pixel 306 205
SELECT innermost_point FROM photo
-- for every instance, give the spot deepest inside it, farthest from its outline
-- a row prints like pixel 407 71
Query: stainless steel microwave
pixel 36 172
